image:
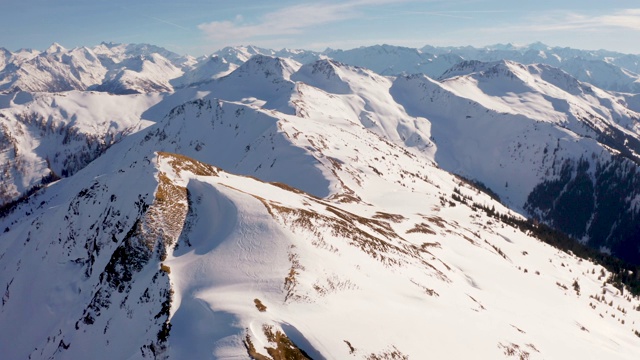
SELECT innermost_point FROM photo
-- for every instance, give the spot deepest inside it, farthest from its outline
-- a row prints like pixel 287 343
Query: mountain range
pixel 376 203
pixel 143 68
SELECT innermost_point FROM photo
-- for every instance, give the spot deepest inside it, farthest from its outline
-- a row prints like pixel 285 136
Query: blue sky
pixel 200 27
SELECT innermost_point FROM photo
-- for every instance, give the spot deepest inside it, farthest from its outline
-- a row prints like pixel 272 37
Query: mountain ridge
pixel 322 209
pixel 176 172
pixel 607 70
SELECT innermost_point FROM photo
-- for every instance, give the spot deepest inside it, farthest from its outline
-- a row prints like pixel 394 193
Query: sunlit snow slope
pixel 311 211
pixel 404 269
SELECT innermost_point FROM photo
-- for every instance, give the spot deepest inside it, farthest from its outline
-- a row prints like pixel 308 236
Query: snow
pixel 249 261
pixel 210 69
pixel 330 201
pixel 484 108
pixel 106 67
pixel 82 122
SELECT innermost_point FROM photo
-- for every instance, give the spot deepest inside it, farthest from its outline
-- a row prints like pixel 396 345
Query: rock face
pixel 321 211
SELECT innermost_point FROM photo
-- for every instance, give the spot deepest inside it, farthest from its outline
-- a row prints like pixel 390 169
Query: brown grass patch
pixel 287 187
pixel 422 228
pixel 335 162
pixel 351 348
pixel 333 284
pixel 425 246
pixel 251 349
pixel 183 163
pixel 381 227
pixel 396 218
pixel 165 219
pixel 391 354
pixel 498 250
pixel 374 241
pixel 345 198
pixel 259 305
pixel 514 350
pixel 428 291
pixel 284 348
pixel 440 222
pixel 165 268
pixel 470 240
pixel 291 281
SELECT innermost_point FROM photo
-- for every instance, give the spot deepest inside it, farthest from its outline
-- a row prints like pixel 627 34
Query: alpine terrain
pixel 375 203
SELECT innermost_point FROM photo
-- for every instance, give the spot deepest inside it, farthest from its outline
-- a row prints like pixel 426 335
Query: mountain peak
pixel 269 67
pixel 538 46
pixel 507 46
pixel 323 74
pixel 240 54
pixel 55 48
pixel 109 44
pixel 485 69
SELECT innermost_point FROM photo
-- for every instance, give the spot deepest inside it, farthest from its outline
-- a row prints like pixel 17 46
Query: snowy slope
pixel 45 136
pixel 76 246
pixel 537 123
pixel 382 59
pixel 389 265
pixel 360 96
pixel 116 53
pixel 262 80
pixel 532 119
pixel 116 68
pixel 605 69
pixel 141 74
pixel 239 54
pixel 531 134
pixel 287 206
pixel 605 75
pixel 395 60
pixel 205 70
pixel 5 55
pixel 55 69
pixel 329 277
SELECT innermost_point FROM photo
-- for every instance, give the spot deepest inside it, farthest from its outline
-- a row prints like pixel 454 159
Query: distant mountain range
pixel 375 203
pixel 124 69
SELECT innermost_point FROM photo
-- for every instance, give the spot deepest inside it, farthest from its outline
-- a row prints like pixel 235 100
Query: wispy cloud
pixel 627 18
pixel 286 21
pixel 567 21
pixel 166 22
pixel 456 14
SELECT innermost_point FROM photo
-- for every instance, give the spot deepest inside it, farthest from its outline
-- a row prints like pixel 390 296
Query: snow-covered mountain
pixel 114 68
pixel 382 59
pixel 541 99
pixel 140 74
pixel 46 136
pixel 313 209
pixel 395 60
pixel 208 69
pixel 605 69
pixel 560 149
pixel 571 119
pixel 142 68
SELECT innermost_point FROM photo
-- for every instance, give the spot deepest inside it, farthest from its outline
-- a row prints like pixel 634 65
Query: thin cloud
pixel 166 22
pixel 286 21
pixel 442 14
pixel 628 18
pixel 456 14
pixel 621 19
